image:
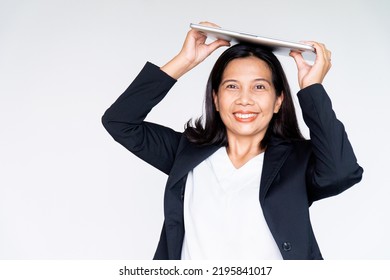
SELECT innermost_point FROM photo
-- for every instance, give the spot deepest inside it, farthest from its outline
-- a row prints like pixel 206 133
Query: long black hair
pixel 209 128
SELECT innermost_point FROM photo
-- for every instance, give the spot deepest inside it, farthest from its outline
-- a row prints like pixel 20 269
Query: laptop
pixel 277 46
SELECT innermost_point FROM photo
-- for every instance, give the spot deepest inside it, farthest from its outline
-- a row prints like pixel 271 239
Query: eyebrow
pixel 255 80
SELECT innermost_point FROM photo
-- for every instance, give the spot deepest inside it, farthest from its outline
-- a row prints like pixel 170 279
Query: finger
pixel 323 54
pixel 208 23
pixel 329 56
pixel 299 60
pixel 218 43
pixel 197 33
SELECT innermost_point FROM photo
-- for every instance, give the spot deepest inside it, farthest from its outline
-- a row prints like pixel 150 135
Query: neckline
pixel 221 161
pixel 249 162
pixel 228 175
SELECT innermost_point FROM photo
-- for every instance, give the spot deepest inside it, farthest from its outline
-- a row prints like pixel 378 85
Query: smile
pixel 245 117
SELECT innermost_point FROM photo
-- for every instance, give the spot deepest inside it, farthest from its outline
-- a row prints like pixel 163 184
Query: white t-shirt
pixel 223 218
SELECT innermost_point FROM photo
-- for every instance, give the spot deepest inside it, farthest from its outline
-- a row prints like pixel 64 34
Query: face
pixel 246 99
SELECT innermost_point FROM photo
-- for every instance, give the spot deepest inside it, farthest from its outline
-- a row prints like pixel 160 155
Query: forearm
pixel 336 166
pixel 193 52
pixel 177 67
pixel 124 120
pixel 147 90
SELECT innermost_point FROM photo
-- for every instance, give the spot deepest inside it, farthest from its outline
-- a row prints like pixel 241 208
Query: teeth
pixel 244 116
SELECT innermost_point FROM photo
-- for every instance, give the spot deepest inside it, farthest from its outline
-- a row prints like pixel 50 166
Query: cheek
pixel 222 103
pixel 267 104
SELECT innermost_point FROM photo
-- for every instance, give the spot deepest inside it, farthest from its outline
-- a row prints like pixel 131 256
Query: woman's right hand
pixel 193 52
pixel 313 74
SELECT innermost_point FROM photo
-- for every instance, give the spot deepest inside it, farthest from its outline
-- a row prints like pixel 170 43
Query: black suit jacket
pixel 295 173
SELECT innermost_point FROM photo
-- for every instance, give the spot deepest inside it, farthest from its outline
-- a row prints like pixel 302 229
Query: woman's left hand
pixel 312 74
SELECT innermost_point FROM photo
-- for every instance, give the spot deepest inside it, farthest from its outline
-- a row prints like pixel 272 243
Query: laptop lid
pixel 277 46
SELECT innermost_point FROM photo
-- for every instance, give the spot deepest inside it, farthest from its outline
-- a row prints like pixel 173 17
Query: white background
pixel 68 191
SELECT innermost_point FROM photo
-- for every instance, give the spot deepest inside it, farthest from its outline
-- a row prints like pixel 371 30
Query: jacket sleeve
pixel 333 167
pixel 124 120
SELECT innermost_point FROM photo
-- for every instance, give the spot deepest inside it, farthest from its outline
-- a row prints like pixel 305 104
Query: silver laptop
pixel 277 46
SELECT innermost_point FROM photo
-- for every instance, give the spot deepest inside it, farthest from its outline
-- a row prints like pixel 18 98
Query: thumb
pixel 299 60
pixel 218 43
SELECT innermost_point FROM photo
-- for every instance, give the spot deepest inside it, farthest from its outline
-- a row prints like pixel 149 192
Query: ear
pixel 278 103
pixel 215 98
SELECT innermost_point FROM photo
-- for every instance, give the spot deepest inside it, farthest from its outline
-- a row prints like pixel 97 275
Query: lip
pixel 245 116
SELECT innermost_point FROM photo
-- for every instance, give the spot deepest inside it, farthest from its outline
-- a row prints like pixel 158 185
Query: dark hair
pixel 213 131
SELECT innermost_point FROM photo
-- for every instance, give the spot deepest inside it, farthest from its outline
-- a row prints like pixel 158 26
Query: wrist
pixel 177 66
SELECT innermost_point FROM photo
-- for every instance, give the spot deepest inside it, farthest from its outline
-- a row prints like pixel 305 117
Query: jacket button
pixel 286 246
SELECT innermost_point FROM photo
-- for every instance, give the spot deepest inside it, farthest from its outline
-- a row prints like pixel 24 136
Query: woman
pixel 240 181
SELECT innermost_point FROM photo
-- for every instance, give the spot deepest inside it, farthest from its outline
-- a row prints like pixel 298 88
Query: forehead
pixel 247 68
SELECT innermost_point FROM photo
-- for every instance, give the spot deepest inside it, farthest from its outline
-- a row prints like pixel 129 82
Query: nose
pixel 245 98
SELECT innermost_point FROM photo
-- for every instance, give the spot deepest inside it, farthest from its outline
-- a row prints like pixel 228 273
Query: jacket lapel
pixel 187 159
pixel 274 158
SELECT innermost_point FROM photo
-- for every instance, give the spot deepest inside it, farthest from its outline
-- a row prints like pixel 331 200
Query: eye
pixel 260 87
pixel 231 86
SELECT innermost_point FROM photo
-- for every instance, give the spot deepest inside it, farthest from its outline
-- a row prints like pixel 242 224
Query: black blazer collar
pixel 275 155
pixel 187 159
